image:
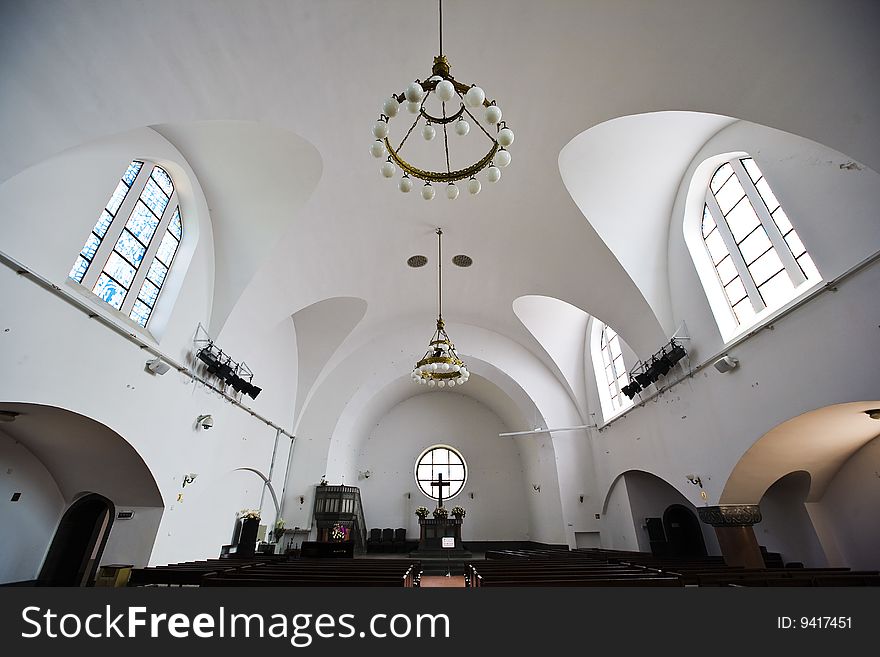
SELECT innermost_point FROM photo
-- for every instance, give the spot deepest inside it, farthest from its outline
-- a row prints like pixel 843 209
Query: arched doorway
pixel 79 542
pixel 683 532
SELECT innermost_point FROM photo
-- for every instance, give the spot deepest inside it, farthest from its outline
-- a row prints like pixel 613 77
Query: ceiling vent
pixel 417 261
pixel 462 260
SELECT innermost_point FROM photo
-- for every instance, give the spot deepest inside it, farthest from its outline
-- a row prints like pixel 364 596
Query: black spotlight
pixel 644 379
pixel 676 353
pixel 208 358
pixel 252 391
pixel 631 390
pixel 663 365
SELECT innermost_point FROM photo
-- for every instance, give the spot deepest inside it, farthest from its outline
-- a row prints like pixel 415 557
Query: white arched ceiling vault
pixel 342 409
pixel 320 329
pixel 256 179
pixel 623 175
pixel 596 60
pixel 560 329
pixel 84 455
pixel 818 442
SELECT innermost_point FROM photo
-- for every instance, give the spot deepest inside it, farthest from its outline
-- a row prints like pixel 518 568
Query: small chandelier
pixel 440 366
pixel 470 100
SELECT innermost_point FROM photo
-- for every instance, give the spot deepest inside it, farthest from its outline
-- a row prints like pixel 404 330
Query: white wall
pixel 850 507
pixel 618 525
pixel 649 497
pixel 495 470
pixel 29 524
pixel 786 527
pixel 814 357
pixel 57 356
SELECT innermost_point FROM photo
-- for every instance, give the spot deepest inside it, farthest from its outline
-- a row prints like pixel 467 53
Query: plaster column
pixel 733 525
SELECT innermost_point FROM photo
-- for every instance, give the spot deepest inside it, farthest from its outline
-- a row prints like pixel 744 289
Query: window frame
pixel 114 231
pixel 778 244
pixel 604 388
pixel 429 451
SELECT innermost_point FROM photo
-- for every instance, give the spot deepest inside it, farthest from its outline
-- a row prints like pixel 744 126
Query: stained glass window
pixel 93 241
pixel 758 257
pixel 149 211
pixel 437 460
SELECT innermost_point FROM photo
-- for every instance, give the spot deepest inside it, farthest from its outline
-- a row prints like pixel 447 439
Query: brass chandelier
pixel 440 366
pixel 447 92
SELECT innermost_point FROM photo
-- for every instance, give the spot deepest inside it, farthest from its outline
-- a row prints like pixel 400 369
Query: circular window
pixel 437 461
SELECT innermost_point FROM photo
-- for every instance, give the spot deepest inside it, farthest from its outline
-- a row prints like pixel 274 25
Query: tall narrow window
pixel 615 372
pixel 133 244
pixel 759 260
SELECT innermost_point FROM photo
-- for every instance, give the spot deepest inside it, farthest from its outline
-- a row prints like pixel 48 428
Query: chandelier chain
pixel 446 138
pixel 440 2
pixel 439 275
pixel 411 128
pixel 479 125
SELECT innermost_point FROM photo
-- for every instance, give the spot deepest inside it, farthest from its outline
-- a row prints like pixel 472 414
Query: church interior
pixel 251 313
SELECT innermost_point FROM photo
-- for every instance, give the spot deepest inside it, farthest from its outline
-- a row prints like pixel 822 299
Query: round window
pixel 441 461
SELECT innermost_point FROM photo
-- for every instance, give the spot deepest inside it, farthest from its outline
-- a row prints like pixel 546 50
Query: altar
pixel 432 531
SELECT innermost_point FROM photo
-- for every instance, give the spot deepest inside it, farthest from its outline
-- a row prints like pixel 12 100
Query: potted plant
pixel 440 512
pixel 278 532
pixel 458 512
pixel 422 512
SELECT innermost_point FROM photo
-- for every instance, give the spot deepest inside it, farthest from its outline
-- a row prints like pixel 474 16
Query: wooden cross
pixel 440 484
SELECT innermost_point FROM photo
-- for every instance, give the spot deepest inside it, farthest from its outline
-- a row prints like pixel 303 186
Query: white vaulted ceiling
pixel 272 101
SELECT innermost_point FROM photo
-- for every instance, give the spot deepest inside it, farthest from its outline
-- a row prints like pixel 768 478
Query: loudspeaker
pixel 725 363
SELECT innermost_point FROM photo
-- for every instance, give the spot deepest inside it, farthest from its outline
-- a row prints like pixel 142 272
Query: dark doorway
pixel 683 532
pixel 79 542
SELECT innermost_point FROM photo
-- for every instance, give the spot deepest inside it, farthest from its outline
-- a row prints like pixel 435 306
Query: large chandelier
pixel 440 366
pixel 453 104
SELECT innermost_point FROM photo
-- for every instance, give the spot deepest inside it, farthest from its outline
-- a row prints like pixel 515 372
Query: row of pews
pixel 278 570
pixel 599 567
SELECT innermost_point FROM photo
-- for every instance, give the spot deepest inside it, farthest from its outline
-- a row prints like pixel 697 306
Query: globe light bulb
pixel 445 91
pixel 474 97
pixel 474 186
pixel 380 129
pixel 502 158
pixel 414 92
pixel 493 114
pixel 441 383
pixel 452 383
pixel 493 174
pixel 451 192
pixel 462 127
pixel 388 169
pixel 391 107
pixel 405 185
pixel 428 132
pixel 432 383
pixel 413 107
pixel 377 149
pixel 505 137
pixel 428 194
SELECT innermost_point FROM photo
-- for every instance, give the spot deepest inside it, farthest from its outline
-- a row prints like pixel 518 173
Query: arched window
pixel 610 370
pixel 759 260
pixel 127 255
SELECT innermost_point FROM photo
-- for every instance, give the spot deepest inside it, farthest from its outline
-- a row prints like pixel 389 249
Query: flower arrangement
pixel 440 512
pixel 339 533
pixel 279 529
pixel 458 511
pixel 249 514
pixel 422 512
